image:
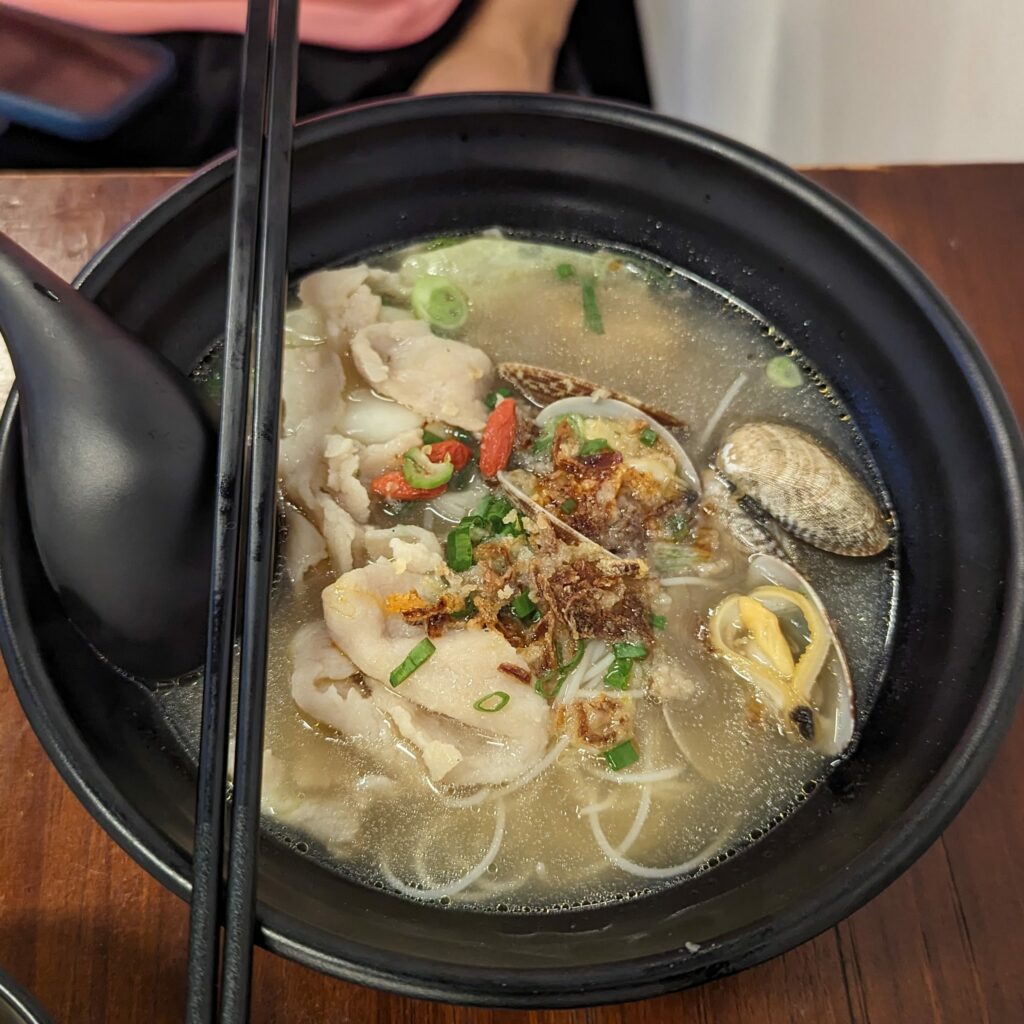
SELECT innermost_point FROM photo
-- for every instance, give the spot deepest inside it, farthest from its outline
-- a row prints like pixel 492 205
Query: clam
pixel 543 386
pixel 749 528
pixel 618 409
pixel 803 486
pixel 664 463
pixel 519 486
pixel 778 637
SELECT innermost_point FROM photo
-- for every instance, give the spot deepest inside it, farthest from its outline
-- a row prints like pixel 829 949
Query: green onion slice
pixel 420 472
pixel 594 447
pixel 467 611
pixel 496 396
pixel 522 607
pixel 630 652
pixel 565 270
pixel 459 549
pixel 782 372
pixel 659 621
pixel 440 302
pixel 569 506
pixel 429 437
pixel 617 677
pixel 591 312
pixel 678 526
pixel 416 657
pixel 648 437
pixel 621 756
pixel 492 702
pixel 559 675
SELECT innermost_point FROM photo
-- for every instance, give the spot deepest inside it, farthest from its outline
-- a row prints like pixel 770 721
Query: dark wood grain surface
pixel 99 941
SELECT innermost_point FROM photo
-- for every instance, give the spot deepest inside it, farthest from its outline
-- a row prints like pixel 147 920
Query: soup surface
pixel 531 651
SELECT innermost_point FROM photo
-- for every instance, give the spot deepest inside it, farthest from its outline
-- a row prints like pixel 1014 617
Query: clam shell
pixel 526 504
pixel 804 487
pixel 614 409
pixel 752 533
pixel 833 697
pixel 543 386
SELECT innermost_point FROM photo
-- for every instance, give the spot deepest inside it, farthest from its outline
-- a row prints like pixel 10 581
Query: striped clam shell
pixel 544 386
pixel 804 487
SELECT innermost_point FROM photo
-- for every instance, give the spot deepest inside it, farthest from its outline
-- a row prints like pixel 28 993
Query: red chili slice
pixel 395 487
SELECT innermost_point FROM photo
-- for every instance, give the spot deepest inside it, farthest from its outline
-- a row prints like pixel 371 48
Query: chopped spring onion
pixel 565 270
pixel 429 437
pixel 576 658
pixel 491 518
pixel 496 396
pixel 548 684
pixel 678 526
pixel 659 621
pixel 522 607
pixel 440 302
pixel 631 652
pixel 648 437
pixel 459 549
pixel 416 657
pixel 493 701
pixel 594 447
pixel 782 372
pixel 569 506
pixel 671 559
pixel 591 313
pixel 617 677
pixel 467 611
pixel 420 472
pixel 557 676
pixel 543 441
pixel 621 756
pixel 463 435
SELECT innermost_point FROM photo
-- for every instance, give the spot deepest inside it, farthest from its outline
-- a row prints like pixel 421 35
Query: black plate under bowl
pixel 930 410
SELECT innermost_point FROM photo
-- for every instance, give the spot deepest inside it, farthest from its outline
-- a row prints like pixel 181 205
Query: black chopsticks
pixel 245 518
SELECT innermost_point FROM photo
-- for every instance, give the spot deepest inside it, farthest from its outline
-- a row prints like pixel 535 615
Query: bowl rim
pixel 872 870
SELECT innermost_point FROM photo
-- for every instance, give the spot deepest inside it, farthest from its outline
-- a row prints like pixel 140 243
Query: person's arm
pixel 508 45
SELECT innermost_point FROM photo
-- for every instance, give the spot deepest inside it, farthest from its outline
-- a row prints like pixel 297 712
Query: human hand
pixel 484 65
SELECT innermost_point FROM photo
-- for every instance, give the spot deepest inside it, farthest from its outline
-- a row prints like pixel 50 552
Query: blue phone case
pixel 68 124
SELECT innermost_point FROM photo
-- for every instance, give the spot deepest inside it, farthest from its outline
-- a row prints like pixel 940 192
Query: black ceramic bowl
pixel 17 1006
pixel 927 403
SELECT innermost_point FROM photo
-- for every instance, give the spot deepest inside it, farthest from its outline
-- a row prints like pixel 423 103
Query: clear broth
pixel 675 342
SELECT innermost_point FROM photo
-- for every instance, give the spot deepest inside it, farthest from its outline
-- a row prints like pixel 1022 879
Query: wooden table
pixel 98 940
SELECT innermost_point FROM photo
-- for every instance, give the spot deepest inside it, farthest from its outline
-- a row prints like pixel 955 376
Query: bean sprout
pixel 720 410
pixel 478 871
pixel 598 668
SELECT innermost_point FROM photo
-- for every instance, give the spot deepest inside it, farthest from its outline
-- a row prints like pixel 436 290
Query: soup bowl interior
pixel 926 403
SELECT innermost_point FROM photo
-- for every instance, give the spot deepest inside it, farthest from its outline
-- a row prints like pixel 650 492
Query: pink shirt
pixel 343 24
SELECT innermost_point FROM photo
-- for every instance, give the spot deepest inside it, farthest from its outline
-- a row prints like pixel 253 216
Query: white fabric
pixel 829 82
